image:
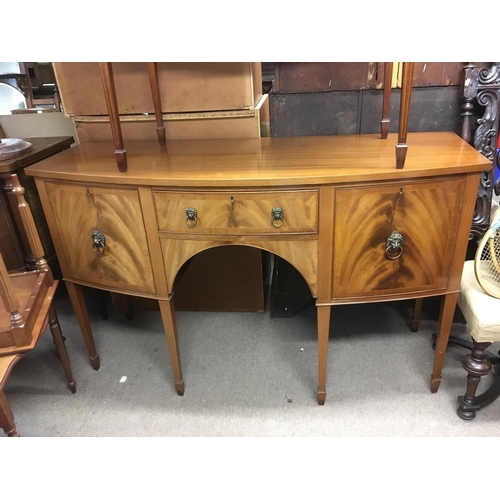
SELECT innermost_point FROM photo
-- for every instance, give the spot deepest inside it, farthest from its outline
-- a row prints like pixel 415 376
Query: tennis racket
pixel 487 259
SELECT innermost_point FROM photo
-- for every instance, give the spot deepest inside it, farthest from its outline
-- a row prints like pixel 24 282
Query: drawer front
pixel 237 212
pixel 424 214
pixel 116 213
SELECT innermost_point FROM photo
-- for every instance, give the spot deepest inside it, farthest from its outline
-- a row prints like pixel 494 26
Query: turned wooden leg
pixel 7 417
pixel 477 365
pixel 78 300
pixel 417 311
pixel 167 311
pixel 448 305
pixel 323 335
pixel 55 329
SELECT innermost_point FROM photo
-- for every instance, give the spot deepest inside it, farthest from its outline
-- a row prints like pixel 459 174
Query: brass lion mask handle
pixel 98 242
pixel 191 216
pixel 394 246
pixel 277 219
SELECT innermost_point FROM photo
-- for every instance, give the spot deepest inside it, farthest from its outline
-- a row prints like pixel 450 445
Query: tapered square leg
pixel 78 301
pixel 323 335
pixel 167 311
pixel 448 305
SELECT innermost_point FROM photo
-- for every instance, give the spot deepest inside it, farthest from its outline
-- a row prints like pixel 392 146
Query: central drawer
pixel 238 212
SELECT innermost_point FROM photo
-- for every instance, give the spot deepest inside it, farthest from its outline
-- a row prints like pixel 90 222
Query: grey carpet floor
pixel 247 375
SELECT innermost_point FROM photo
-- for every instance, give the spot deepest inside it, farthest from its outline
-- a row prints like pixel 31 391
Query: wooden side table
pixel 13 243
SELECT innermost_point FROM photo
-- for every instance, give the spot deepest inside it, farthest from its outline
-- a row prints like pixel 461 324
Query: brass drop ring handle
pixel 277 219
pixel 191 216
pixel 394 246
pixel 98 242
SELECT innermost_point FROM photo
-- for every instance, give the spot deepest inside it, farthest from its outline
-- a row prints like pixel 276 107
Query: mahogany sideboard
pixel 335 207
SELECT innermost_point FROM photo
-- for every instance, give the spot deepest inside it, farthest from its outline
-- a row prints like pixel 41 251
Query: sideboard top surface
pixel 267 161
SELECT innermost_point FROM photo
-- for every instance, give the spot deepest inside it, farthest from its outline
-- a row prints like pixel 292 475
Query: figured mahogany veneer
pixel 238 212
pixel 117 213
pixel 366 215
pixel 357 228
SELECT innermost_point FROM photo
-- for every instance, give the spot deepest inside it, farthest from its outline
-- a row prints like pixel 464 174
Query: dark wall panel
pixel 292 77
pixel 319 113
pixel 432 109
pixel 342 113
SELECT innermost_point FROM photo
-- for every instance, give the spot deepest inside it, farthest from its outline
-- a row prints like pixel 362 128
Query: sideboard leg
pixel 417 311
pixel 323 334
pixel 167 311
pixel 78 300
pixel 448 304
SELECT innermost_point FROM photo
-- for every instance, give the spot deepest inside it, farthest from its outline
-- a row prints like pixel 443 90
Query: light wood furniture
pixel 181 101
pixel 357 228
pixel 7 422
pixel 26 308
pixel 199 100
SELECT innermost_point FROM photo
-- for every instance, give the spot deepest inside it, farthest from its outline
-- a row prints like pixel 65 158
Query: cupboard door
pixel 114 214
pixel 419 219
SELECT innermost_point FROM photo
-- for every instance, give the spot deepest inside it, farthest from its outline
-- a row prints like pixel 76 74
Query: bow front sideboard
pixel 357 228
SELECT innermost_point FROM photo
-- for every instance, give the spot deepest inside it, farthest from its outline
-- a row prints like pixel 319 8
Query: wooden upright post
pixel 155 90
pixel 11 304
pixel 386 104
pixel 114 117
pixel 404 113
pixel 25 222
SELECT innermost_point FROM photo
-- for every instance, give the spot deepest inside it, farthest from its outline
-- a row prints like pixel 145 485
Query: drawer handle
pixel 277 217
pixel 191 219
pixel 394 246
pixel 98 242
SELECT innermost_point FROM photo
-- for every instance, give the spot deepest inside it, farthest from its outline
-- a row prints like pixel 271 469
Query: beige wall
pixel 37 125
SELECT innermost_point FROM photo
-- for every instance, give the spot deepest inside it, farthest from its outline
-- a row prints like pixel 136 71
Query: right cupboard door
pixel 395 238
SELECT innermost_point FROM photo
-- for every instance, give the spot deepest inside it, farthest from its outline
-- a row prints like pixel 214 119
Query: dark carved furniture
pixel 482 86
pixel 21 82
pixel 13 243
pixel 36 82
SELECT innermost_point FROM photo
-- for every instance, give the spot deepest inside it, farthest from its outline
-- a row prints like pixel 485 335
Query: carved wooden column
pixel 477 365
pixel 482 86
